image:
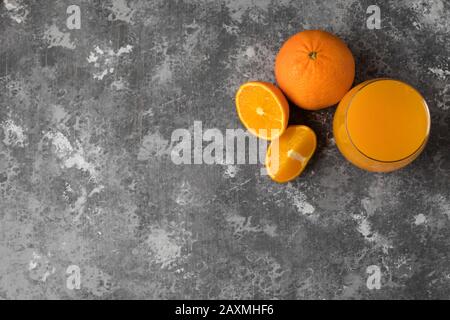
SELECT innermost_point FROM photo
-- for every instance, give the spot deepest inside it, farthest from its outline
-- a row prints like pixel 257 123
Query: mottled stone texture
pixel 86 177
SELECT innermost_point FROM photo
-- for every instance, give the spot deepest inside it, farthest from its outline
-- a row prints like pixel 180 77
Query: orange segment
pixel 288 156
pixel 263 109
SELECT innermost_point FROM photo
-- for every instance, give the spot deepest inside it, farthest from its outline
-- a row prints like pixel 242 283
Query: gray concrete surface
pixel 87 182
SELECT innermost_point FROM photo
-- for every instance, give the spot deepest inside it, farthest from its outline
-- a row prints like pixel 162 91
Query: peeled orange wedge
pixel 263 109
pixel 288 155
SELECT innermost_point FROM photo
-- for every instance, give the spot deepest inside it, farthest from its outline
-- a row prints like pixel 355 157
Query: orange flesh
pixel 263 109
pixel 388 120
pixel 295 148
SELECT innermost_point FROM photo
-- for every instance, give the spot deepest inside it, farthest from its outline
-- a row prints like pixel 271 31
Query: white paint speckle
pixel 48 273
pixel 164 248
pixel 230 171
pixel 57 38
pixel 39 267
pixel 270 230
pixel 240 224
pixel 231 29
pixel 430 13
pixel 78 161
pixel 96 281
pixel 365 229
pixel 98 50
pixel 303 206
pixel 16 10
pixel 78 206
pixel 440 73
pixel 119 84
pixel 243 225
pixel 163 74
pixel 96 190
pixel 14 134
pixel 121 11
pixel 332 142
pixel 71 157
pixel 100 75
pixel 299 200
pixel 420 219
pixel 184 194
pixel 58 113
pixel 34 261
pixel 104 60
pixel 10 4
pixel 92 57
pixel 250 52
pixel 122 50
pixel 154 145
pixel 62 145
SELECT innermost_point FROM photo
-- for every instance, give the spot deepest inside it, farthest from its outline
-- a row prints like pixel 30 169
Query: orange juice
pixel 381 125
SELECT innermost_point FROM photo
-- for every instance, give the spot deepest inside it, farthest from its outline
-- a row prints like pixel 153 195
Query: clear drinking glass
pixel 381 125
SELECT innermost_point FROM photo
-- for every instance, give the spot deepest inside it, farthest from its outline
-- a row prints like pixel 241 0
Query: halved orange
pixel 288 155
pixel 263 109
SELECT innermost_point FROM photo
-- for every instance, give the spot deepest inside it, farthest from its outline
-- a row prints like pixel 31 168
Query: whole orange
pixel 315 69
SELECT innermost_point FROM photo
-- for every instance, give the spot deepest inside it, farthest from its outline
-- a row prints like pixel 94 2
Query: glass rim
pixel 427 134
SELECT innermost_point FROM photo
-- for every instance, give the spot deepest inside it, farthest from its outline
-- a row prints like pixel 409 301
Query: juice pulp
pixel 382 125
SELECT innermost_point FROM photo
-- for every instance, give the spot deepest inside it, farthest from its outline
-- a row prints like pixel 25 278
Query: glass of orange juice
pixel 381 125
